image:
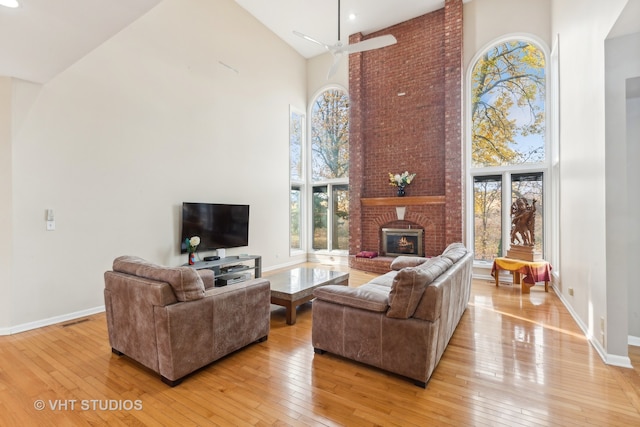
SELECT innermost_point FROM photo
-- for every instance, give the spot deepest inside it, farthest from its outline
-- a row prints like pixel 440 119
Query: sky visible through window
pixel 508 121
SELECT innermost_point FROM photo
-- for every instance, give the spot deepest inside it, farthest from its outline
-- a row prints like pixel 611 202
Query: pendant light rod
pixel 338 20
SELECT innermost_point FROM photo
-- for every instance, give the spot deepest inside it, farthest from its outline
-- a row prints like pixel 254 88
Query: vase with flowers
pixel 401 180
pixel 192 244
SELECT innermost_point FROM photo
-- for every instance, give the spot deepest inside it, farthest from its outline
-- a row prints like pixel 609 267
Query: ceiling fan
pixel 338 50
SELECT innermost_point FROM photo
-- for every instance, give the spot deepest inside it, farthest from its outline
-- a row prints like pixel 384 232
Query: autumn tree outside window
pixel 329 160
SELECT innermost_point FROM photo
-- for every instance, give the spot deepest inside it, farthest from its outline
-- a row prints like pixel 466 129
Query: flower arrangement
pixel 192 243
pixel 401 180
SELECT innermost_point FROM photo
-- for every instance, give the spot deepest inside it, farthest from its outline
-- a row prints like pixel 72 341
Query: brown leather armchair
pixel 174 321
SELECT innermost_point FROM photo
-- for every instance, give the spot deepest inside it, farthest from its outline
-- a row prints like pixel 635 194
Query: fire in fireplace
pixel 402 241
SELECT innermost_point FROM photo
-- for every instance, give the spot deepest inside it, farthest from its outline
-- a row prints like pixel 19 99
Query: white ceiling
pixel 41 38
pixel 318 19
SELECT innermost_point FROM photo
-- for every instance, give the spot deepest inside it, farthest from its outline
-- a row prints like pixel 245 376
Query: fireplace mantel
pixel 403 201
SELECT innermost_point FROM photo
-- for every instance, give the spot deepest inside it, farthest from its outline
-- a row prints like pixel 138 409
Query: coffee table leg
pixel 291 313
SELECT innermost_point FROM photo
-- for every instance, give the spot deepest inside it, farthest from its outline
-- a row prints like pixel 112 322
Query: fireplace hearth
pixel 402 241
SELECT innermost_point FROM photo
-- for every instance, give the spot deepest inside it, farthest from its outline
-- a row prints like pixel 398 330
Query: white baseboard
pixel 634 341
pixel 50 321
pixel 609 359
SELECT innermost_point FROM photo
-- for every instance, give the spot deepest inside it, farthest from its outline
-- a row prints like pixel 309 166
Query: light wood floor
pixel 516 360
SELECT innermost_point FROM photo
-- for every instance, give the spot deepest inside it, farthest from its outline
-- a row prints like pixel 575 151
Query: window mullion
pixel 506 212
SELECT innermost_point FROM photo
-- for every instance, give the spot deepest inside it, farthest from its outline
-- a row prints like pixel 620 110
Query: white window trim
pixel 299 183
pixel 312 184
pixel 550 185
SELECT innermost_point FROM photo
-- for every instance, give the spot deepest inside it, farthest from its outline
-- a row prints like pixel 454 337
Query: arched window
pixel 507 142
pixel 329 170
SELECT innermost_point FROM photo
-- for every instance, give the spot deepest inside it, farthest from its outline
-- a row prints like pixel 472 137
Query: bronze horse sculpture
pixel 523 222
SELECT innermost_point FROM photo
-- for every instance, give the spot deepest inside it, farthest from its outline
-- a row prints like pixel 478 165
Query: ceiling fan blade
pixel 337 57
pixel 312 40
pixel 374 43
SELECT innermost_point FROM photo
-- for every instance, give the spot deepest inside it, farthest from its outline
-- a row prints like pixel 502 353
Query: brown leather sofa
pixel 401 321
pixel 174 321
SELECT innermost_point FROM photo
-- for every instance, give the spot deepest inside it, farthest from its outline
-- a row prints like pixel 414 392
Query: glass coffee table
pixel 294 287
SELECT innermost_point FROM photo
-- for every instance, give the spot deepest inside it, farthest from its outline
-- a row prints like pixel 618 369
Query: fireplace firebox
pixel 402 241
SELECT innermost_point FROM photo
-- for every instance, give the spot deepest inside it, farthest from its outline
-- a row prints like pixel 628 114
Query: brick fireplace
pixel 406 115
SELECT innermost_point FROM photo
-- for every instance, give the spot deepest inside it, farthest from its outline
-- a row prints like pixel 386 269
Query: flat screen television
pixel 217 225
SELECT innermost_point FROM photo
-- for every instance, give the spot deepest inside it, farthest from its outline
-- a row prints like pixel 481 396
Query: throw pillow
pixel 366 254
pixel 406 292
pixel 185 281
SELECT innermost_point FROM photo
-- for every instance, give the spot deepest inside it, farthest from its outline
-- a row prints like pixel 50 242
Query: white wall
pixel 622 155
pixel 484 21
pixel 621 227
pixel 317 70
pixel 6 201
pixel 582 27
pixel 633 183
pixel 148 120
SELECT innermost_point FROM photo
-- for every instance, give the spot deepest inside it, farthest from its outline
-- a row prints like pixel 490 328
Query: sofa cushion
pixel 407 261
pixel 435 266
pixel 406 292
pixel 364 297
pixel 185 281
pixel 455 252
pixel 385 279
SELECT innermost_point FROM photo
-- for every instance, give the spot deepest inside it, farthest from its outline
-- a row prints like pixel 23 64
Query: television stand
pixel 231 269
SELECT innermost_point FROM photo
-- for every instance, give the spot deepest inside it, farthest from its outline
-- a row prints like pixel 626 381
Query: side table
pixel 533 271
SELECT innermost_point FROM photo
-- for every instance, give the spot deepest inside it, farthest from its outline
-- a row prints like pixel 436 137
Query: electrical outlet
pixel 51 225
pixel 570 291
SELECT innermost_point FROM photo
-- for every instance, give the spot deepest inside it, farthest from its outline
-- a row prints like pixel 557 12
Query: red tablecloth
pixel 533 271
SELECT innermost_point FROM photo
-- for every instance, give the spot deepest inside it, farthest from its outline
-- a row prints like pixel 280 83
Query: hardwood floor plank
pixel 514 360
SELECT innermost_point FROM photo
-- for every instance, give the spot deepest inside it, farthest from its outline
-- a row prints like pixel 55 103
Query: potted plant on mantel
pixel 401 180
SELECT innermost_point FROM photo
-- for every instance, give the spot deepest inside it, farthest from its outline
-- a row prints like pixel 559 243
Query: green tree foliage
pixel 507 102
pixel 330 136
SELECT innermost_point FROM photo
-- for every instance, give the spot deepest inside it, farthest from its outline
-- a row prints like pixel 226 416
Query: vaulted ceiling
pixel 41 38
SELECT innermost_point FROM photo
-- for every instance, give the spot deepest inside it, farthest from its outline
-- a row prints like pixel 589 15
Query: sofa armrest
pixel 362 297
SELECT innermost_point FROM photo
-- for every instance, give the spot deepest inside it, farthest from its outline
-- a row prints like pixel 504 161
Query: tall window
pixel 296 177
pixel 329 159
pixel 508 158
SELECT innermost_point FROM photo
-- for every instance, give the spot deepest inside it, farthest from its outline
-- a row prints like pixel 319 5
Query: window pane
pixel 320 208
pixel 529 187
pixel 507 105
pixel 330 136
pixel 296 122
pixel 487 195
pixel 340 240
pixel 294 221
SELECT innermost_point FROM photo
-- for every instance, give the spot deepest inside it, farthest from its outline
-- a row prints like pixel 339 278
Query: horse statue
pixel 523 222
